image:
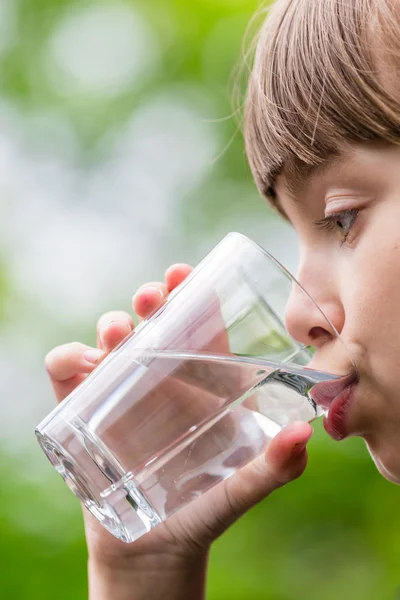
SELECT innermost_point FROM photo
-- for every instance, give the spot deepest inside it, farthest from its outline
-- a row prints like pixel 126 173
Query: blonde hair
pixel 325 75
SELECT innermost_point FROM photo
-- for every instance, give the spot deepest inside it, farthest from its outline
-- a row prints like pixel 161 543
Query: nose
pixel 304 315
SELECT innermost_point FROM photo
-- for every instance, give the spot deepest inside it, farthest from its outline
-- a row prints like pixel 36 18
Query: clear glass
pixel 198 391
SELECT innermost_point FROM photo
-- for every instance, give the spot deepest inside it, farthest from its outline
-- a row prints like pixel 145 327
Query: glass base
pixel 120 507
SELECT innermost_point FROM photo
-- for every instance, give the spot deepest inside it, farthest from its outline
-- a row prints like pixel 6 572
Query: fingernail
pixel 149 289
pixel 93 356
pixel 298 448
pixel 154 289
pixel 119 322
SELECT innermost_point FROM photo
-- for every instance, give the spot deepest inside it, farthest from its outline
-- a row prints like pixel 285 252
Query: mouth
pixel 335 397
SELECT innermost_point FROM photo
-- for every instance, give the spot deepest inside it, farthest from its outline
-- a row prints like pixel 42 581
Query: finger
pixel 284 461
pixel 68 365
pixel 175 274
pixel 151 295
pixel 285 449
pixel 112 328
pixel 68 360
pixel 148 297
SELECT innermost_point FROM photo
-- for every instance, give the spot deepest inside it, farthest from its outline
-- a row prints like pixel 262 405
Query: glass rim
pixel 292 279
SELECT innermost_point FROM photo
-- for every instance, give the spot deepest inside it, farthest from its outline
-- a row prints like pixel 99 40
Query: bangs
pixel 325 75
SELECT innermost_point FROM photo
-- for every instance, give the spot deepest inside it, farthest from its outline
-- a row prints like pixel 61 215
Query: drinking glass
pixel 195 393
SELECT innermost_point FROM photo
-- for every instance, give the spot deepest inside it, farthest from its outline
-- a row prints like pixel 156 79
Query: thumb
pixel 210 515
pixel 285 460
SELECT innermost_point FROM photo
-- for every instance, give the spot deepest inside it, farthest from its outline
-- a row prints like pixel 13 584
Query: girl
pixel 322 131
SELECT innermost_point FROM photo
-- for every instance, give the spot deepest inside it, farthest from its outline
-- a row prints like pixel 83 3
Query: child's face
pixel 353 273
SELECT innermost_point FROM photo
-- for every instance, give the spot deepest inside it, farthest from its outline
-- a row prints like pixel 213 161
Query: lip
pixel 336 397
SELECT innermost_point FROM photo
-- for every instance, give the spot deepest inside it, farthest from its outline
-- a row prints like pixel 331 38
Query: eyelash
pixel 330 222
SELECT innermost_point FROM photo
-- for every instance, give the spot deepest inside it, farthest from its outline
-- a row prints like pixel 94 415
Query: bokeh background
pixel 119 155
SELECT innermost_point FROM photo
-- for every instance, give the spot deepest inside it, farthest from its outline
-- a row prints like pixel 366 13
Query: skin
pixel 355 282
pixel 352 272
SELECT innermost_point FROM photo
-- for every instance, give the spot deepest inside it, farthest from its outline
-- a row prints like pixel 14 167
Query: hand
pixel 181 543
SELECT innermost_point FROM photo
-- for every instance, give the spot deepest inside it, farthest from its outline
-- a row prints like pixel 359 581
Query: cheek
pixel 370 283
pixel 370 292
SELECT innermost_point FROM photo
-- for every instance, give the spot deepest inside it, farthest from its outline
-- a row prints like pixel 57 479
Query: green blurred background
pixel 120 155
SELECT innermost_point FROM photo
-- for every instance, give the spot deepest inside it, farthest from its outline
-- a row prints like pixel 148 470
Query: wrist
pixel 147 577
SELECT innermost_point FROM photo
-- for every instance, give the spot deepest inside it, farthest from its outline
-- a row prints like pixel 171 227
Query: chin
pixel 389 467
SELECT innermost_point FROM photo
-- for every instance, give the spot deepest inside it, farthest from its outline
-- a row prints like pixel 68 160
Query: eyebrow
pixel 297 178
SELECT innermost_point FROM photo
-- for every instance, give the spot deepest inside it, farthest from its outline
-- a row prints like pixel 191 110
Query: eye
pixel 340 221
